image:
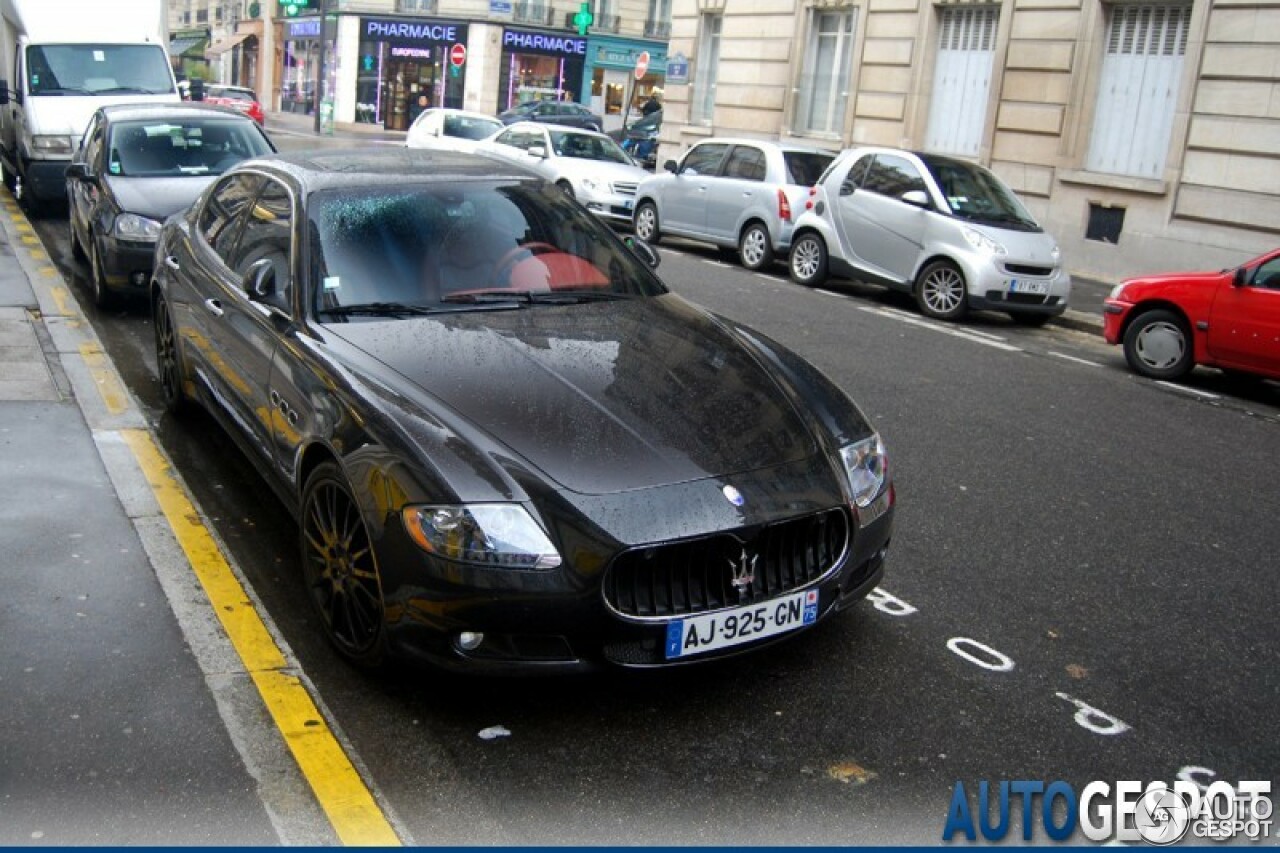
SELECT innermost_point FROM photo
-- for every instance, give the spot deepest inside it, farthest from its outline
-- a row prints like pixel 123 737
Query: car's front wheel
pixel 940 291
pixel 1157 344
pixel 646 223
pixel 77 251
pixel 807 263
pixel 755 249
pixel 339 567
pixel 169 362
pixel 98 288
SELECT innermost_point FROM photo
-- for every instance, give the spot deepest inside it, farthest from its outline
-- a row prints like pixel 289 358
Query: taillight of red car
pixel 784 206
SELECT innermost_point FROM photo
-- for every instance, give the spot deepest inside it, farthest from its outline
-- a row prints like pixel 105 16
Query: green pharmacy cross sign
pixel 294 8
pixel 583 19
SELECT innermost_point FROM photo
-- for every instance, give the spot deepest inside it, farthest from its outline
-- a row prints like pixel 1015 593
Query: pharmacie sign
pixel 411 33
pixel 523 41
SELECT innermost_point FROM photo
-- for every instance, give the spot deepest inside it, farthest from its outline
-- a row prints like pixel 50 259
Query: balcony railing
pixel 657 29
pixel 535 13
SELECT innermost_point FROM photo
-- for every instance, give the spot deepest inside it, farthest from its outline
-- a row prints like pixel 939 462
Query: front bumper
pixel 993 286
pixel 127 265
pixel 540 625
pixel 1114 315
pixel 614 207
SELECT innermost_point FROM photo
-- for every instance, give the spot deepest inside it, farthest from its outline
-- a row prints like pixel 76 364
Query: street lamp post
pixel 320 68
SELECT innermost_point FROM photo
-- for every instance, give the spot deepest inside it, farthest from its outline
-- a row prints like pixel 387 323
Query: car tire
pixel 339 568
pixel 807 263
pixel 170 366
pixel 1157 344
pixel 77 251
pixel 755 248
pixel 646 223
pixel 940 291
pixel 1032 321
pixel 99 291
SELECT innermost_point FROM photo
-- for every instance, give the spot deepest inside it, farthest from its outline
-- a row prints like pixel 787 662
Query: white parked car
pixel 452 130
pixel 945 230
pixel 587 165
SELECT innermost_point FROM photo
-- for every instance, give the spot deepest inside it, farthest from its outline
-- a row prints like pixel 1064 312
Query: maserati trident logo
pixel 743 573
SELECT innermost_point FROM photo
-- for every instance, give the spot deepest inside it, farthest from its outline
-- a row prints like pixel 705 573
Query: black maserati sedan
pixel 508 446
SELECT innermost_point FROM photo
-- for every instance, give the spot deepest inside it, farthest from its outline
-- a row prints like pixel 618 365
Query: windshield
pixel 471 127
pixel 463 246
pixel 193 146
pixel 580 146
pixel 976 194
pixel 98 69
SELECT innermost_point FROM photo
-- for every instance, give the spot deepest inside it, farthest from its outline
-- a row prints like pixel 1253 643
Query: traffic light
pixel 294 8
pixel 583 19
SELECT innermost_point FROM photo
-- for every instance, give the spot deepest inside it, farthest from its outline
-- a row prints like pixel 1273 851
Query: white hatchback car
pixel 945 230
pixel 735 193
pixel 589 166
pixel 451 130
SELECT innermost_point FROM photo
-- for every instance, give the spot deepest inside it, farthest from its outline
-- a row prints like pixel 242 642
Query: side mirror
pixel 916 198
pixel 79 172
pixel 538 151
pixel 643 251
pixel 260 282
pixel 670 166
pixel 1239 276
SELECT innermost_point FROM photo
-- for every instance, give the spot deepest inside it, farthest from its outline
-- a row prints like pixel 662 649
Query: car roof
pixel 787 147
pixel 454 111
pixel 126 112
pixel 329 168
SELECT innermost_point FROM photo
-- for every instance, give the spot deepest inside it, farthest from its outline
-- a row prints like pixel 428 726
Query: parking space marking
pixel 717 263
pixel 349 804
pixel 934 327
pixel 831 293
pixel 1185 390
pixel 104 378
pixel 1066 357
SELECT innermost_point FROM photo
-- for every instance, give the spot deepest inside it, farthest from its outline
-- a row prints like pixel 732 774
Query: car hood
pixel 1193 279
pixel 601 398
pixel 157 198
pixel 599 169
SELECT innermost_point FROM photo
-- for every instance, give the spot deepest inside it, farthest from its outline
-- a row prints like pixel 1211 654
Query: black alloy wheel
pixel 169 362
pixel 1157 345
pixel 339 568
pixel 807 263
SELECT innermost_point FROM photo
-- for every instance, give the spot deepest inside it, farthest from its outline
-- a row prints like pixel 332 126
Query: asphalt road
pixel 1081 586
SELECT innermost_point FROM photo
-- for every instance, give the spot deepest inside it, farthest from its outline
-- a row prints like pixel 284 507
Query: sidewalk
pixel 299 124
pixel 113 722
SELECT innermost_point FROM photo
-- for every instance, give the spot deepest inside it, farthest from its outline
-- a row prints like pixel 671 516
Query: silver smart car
pixel 948 231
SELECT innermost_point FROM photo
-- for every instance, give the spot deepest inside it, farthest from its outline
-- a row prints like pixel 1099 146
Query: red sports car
pixel 1170 323
pixel 238 98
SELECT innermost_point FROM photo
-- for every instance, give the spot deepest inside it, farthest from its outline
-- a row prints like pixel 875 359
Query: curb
pixel 1079 321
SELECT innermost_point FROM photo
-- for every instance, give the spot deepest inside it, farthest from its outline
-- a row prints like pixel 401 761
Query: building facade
pixel 1144 135
pixel 385 60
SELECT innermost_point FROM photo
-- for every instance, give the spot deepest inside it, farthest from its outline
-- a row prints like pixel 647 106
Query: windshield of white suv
pixel 98 69
pixel 975 194
pixel 580 146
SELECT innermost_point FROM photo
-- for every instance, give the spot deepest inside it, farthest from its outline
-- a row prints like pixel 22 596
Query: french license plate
pixel 1039 288
pixel 698 634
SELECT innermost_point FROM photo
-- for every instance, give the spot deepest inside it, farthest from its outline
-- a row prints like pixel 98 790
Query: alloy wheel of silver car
pixel 647 223
pixel 940 292
pixel 1157 345
pixel 808 261
pixel 754 248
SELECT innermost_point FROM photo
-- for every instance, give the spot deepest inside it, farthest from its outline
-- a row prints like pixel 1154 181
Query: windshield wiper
pixel 568 297
pixel 489 297
pixel 379 309
pixel 528 297
pixel 129 90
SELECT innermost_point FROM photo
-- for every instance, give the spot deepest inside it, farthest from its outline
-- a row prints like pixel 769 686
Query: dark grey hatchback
pixel 507 445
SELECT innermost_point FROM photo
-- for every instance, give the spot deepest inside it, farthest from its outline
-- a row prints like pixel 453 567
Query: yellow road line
pixel 113 394
pixel 352 810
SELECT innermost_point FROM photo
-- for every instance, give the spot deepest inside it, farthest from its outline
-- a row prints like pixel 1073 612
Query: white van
pixel 59 61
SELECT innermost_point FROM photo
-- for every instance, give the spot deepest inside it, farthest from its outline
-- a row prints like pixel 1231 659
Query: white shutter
pixel 962 80
pixel 1138 89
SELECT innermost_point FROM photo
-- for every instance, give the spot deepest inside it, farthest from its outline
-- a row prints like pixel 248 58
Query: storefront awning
pixel 187 44
pixel 221 46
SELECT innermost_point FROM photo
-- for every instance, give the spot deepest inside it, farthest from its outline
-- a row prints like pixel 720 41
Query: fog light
pixel 469 641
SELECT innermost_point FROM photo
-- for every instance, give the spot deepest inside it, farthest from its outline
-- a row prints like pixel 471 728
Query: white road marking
pixel 717 263
pixel 1098 722
pixel 991 660
pixel 768 277
pixel 886 602
pixel 946 330
pixel 1073 358
pixel 1184 389
pixel 830 293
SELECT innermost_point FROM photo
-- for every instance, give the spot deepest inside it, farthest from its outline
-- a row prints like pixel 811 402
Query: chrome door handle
pixel 171 262
pixel 214 306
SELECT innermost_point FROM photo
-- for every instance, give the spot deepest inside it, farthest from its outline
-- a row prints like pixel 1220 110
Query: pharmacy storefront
pixel 404 68
pixel 539 66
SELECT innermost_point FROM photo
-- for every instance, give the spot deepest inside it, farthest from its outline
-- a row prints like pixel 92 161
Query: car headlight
pixel 981 241
pixel 867 465
pixel 51 144
pixel 131 226
pixel 500 536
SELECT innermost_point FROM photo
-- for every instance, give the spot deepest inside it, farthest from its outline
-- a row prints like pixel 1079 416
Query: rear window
pixel 232 94
pixel 805 168
pixel 469 127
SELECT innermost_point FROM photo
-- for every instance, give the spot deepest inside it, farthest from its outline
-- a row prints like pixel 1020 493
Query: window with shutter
pixel 962 79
